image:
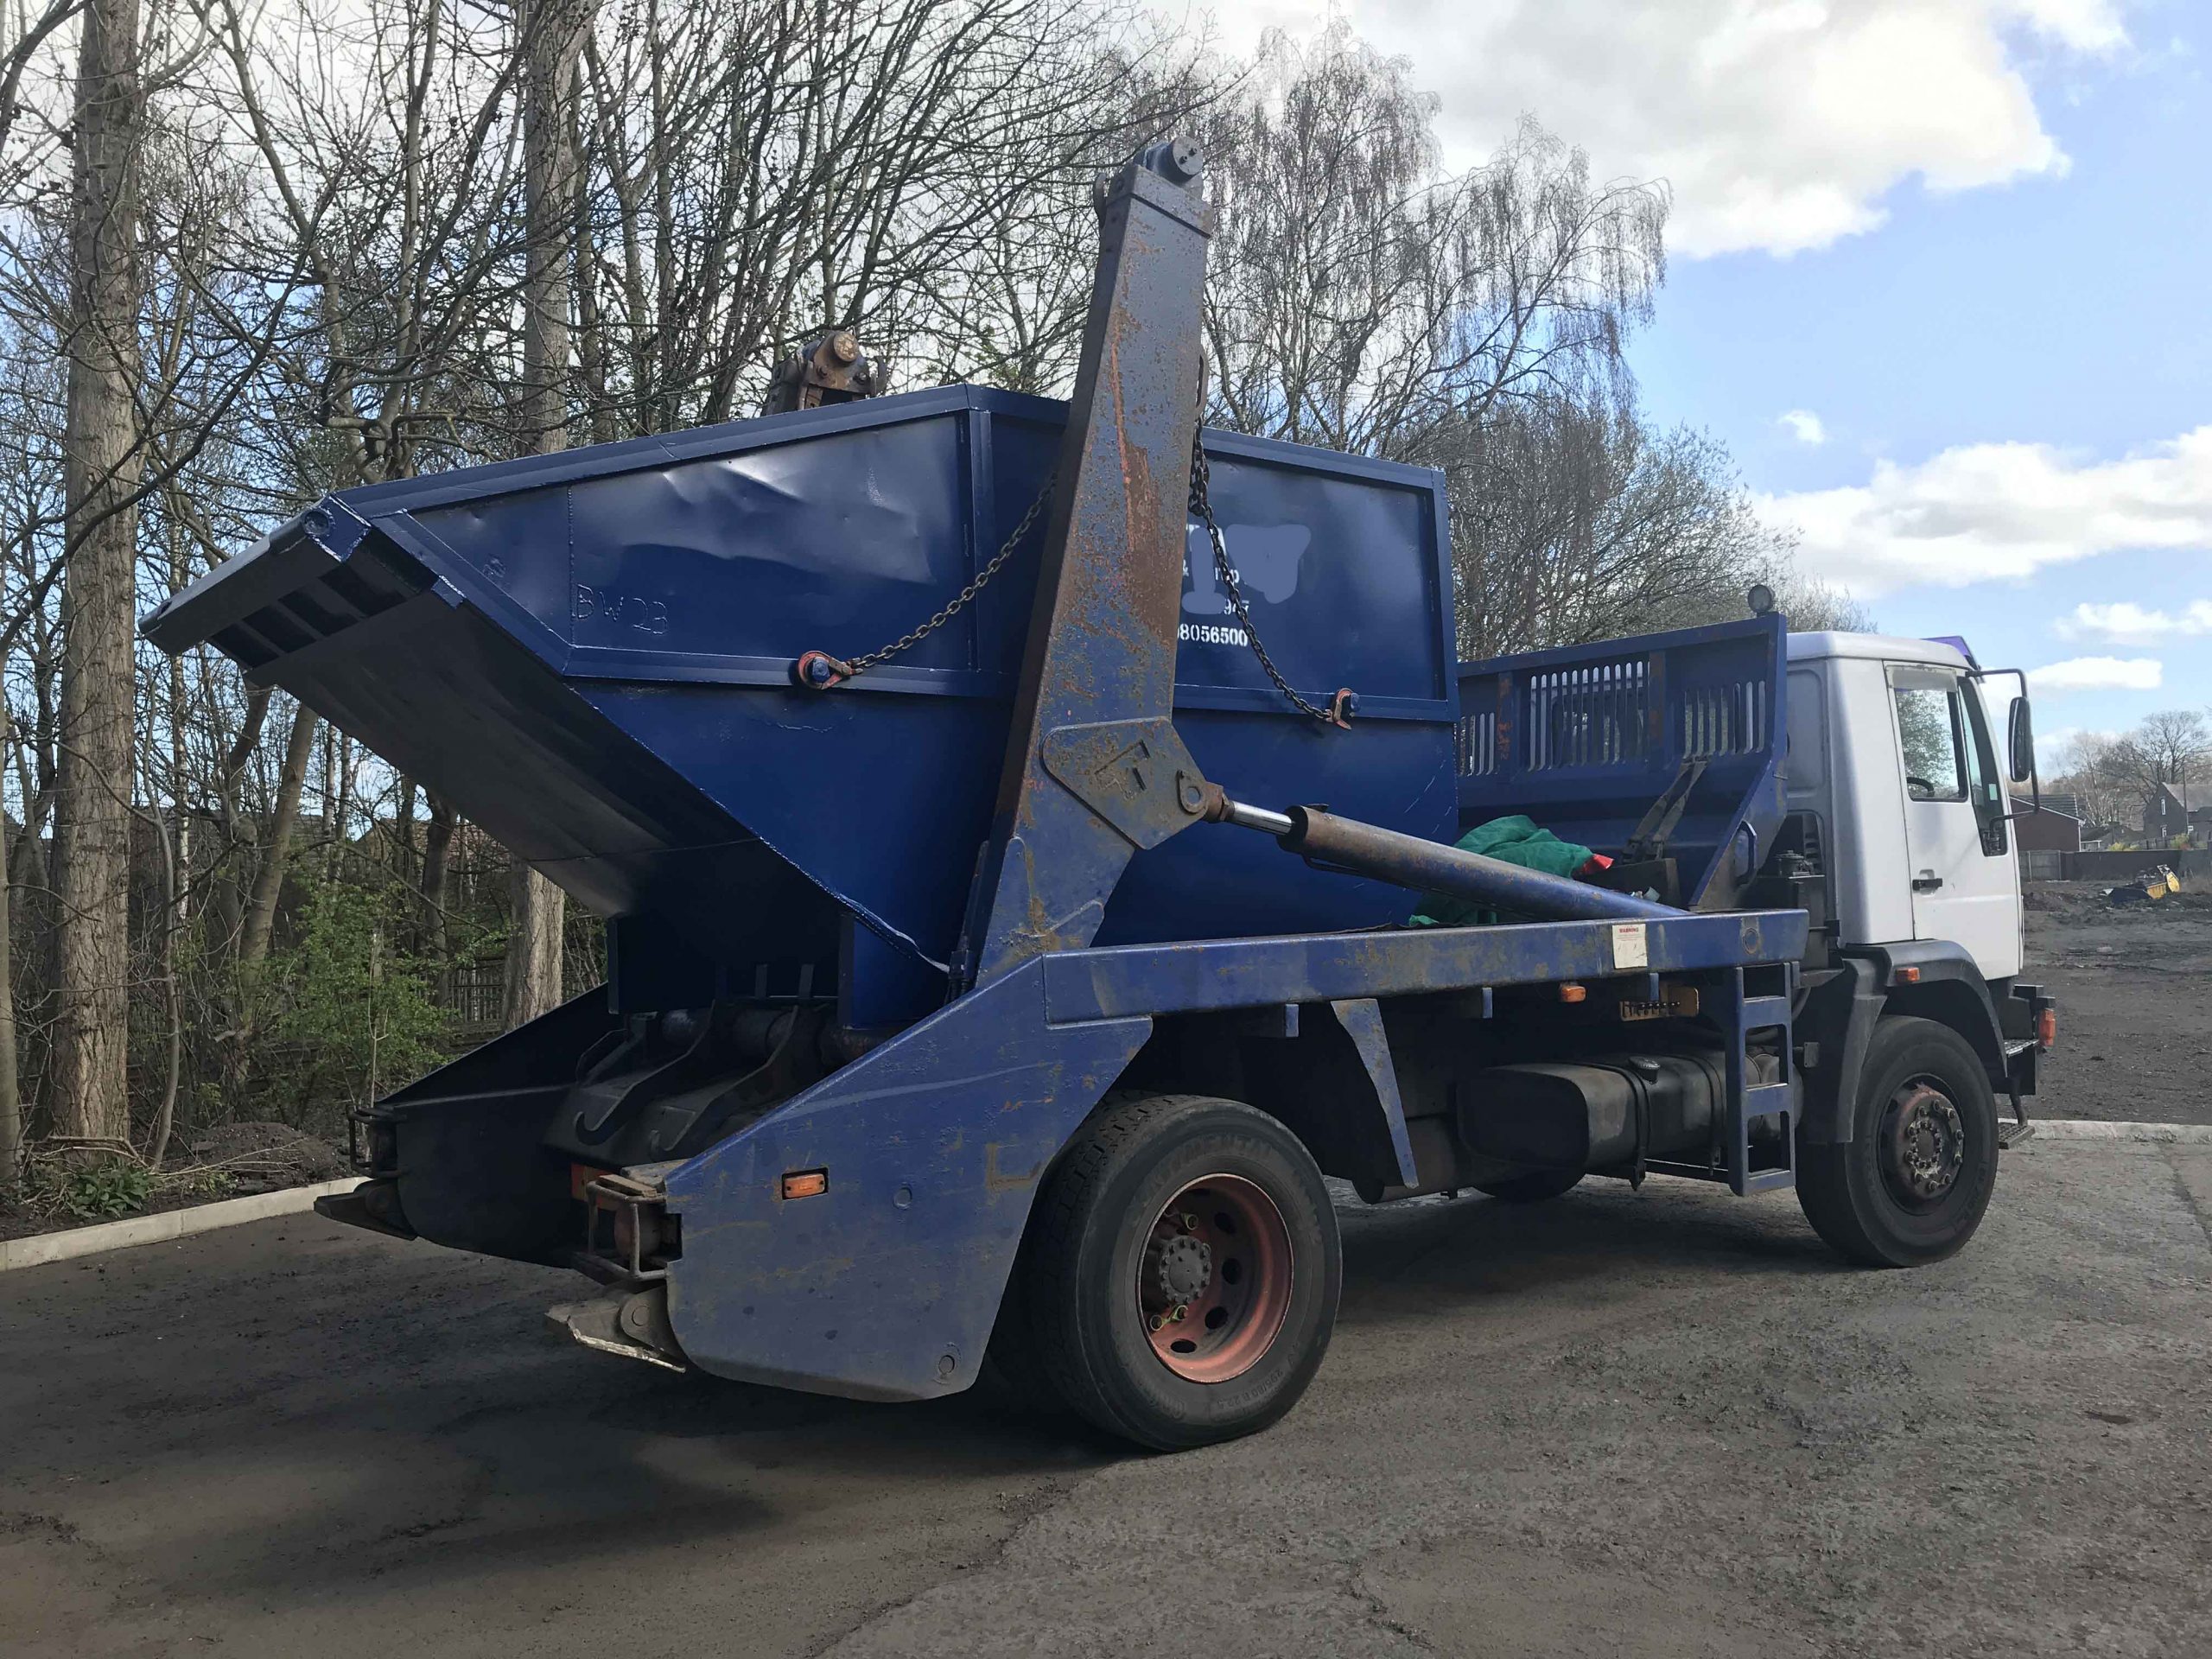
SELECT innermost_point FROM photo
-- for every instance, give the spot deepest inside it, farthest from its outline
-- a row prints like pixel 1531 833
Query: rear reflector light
pixel 2047 1030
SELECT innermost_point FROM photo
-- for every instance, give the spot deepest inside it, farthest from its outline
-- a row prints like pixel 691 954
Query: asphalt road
pixel 1623 1425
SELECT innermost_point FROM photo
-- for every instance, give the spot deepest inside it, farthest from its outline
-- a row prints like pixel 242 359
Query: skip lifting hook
pixel 817 670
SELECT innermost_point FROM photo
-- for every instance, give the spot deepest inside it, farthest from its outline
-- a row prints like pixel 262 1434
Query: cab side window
pixel 1931 732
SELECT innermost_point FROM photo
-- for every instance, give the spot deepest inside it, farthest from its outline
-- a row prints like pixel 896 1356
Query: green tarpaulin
pixel 1515 840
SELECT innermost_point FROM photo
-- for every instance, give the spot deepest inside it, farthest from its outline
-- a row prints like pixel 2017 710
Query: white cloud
pixel 1780 125
pixel 2098 674
pixel 1803 425
pixel 2124 622
pixel 2000 509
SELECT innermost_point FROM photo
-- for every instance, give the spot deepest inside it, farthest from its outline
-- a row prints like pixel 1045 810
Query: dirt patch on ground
pixel 234 1161
pixel 259 1157
pixel 2135 988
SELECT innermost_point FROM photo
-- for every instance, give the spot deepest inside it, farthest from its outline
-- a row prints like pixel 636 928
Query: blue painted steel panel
pixel 590 654
pixel 1252 973
pixel 886 1286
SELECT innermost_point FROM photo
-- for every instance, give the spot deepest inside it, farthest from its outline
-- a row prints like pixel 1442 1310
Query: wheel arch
pixel 1325 1070
pixel 1925 979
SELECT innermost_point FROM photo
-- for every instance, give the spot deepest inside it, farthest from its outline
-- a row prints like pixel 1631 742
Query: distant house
pixel 2053 827
pixel 2165 815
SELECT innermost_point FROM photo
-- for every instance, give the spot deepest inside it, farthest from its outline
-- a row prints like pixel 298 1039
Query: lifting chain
pixel 818 671
pixel 1339 712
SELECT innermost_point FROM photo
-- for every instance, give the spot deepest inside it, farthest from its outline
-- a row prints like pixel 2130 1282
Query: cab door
pixel 1957 851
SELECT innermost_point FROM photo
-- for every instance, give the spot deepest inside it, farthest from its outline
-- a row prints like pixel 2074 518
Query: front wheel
pixel 1910 1185
pixel 1182 1269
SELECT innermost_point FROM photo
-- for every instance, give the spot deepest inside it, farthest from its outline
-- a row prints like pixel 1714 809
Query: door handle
pixel 1927 881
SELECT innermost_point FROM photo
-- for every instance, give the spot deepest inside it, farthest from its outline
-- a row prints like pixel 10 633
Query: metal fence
pixel 2112 867
pixel 476 992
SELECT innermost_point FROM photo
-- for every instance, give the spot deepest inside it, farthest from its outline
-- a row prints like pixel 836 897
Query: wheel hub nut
pixel 1930 1144
pixel 1181 1269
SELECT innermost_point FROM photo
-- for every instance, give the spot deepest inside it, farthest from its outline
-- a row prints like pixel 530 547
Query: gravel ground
pixel 1623 1425
pixel 2135 988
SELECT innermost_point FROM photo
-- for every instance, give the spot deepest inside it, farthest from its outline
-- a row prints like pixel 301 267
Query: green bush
pixel 347 1017
pixel 92 1191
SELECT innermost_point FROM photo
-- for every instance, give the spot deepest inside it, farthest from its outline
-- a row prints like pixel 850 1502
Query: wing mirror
pixel 2020 741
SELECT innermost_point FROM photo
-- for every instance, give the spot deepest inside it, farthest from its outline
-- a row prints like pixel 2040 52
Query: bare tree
pixel 1364 299
pixel 880 174
pixel 11 1098
pixel 1816 606
pixel 2169 750
pixel 552 44
pixel 350 241
pixel 1575 523
pixel 18 54
pixel 1360 295
pixel 93 808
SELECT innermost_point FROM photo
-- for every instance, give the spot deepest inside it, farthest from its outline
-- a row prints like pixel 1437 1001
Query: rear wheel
pixel 1912 1184
pixel 1534 1186
pixel 1180 1278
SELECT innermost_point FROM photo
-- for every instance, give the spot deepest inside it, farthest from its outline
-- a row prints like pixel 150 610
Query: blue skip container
pixel 590 654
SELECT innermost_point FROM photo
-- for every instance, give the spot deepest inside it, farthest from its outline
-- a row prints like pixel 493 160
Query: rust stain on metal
pixel 999 1180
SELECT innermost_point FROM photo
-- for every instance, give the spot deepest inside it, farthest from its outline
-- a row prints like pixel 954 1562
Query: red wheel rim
pixel 1213 1281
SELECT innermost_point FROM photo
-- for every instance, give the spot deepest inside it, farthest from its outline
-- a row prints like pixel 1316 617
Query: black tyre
pixel 1910 1185
pixel 1012 1374
pixel 1180 1275
pixel 1534 1186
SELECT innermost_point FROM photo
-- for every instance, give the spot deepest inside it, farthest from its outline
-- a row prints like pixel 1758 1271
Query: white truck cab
pixel 1897 837
pixel 1892 752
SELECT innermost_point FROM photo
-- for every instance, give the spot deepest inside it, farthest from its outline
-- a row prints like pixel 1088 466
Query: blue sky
pixel 1964 244
pixel 2071 311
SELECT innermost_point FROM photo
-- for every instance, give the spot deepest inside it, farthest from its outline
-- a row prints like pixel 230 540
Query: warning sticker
pixel 1631 949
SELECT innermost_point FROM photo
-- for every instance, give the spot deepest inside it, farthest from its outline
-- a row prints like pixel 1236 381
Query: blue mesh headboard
pixel 1586 739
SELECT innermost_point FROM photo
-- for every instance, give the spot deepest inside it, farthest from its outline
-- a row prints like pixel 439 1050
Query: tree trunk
pixel 172 987
pixel 102 466
pixel 339 791
pixel 11 1098
pixel 552 39
pixel 437 867
pixel 402 832
pixel 533 982
pixel 226 897
pixel 268 881
pixel 260 919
